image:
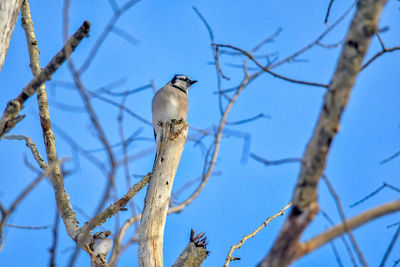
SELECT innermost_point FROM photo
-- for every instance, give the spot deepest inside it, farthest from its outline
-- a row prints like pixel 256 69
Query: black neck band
pixel 180 88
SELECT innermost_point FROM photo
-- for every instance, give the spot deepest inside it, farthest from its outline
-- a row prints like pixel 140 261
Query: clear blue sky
pixel 172 39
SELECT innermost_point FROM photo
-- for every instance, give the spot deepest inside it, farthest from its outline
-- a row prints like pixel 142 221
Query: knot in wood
pixel 369 29
pixel 13 107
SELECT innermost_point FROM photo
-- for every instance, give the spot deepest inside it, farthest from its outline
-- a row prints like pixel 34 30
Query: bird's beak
pixel 192 82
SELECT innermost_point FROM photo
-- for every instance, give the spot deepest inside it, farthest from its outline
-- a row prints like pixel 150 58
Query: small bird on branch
pixel 171 102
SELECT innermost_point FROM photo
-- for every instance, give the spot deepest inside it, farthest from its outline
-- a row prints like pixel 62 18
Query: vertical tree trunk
pixel 364 25
pixel 172 141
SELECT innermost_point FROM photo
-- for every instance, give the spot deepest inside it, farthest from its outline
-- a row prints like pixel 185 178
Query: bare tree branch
pixel 113 20
pixel 27 227
pixel 267 68
pixel 114 208
pixel 380 53
pixel 151 231
pixel 10 116
pixel 7 212
pixel 62 198
pixel 395 155
pixel 363 27
pixel 211 36
pixel 316 41
pixel 328 11
pixel 376 191
pixel 344 222
pixel 336 253
pixel 229 257
pixel 53 249
pixel 337 230
pixel 259 116
pixel 275 162
pixel 390 247
pixel 345 243
pixel 29 143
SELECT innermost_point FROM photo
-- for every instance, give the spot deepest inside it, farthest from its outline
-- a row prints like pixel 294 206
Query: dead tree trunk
pixel 169 151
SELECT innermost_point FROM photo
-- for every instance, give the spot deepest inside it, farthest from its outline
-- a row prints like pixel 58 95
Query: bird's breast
pixel 169 106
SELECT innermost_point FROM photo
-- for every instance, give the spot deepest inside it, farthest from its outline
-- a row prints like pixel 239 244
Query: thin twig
pixel 78 148
pixel 343 218
pixel 53 249
pixel 7 212
pixel 395 155
pixel 269 39
pixel 211 36
pixel 113 20
pixel 330 46
pixel 124 35
pixel 346 244
pixel 390 247
pixel 84 239
pixel 218 65
pixel 29 188
pixel 124 93
pixel 29 143
pixel 393 224
pixel 336 253
pixel 133 137
pixel 267 68
pixel 328 11
pixel 386 50
pixel 317 40
pixel 259 116
pixel 185 186
pixel 229 257
pixel 27 227
pixel 376 191
pixel 118 105
pixel 275 162
pixel 114 5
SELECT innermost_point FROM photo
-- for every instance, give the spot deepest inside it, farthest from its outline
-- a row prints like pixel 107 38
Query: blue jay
pixel 171 102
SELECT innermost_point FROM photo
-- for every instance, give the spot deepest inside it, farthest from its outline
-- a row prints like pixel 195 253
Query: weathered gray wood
pixel 192 256
pixel 169 151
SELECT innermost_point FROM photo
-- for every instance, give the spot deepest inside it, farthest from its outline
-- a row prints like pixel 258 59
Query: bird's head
pixel 182 82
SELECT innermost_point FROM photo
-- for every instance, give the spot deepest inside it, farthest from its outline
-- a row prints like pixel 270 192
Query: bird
pixel 171 102
pixel 100 246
